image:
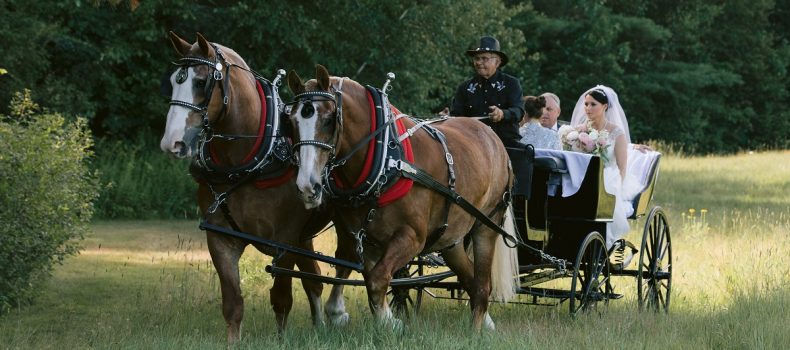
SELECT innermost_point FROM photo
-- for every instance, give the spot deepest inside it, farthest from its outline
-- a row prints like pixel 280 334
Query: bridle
pixel 219 75
pixel 319 96
pixel 220 70
pixel 334 143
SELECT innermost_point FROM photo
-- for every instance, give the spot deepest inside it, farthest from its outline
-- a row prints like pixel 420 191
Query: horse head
pixel 200 93
pixel 316 119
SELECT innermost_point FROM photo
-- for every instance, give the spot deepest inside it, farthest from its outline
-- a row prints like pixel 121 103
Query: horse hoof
pixel 339 320
pixel 488 323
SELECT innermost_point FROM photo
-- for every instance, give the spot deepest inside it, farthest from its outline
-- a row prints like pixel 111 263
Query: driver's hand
pixel 496 114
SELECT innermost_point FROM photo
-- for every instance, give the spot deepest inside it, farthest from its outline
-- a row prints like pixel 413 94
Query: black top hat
pixel 488 44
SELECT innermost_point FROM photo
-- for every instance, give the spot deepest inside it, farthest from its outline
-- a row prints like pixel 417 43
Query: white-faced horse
pixel 337 141
pixel 227 119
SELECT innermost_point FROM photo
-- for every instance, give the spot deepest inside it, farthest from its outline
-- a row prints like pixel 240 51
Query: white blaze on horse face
pixel 309 178
pixel 173 139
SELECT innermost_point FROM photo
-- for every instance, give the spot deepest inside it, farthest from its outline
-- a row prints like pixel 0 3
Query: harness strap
pixel 422 177
pixel 365 141
pixel 280 246
pixel 439 232
pixel 448 157
pixel 228 217
pixel 410 132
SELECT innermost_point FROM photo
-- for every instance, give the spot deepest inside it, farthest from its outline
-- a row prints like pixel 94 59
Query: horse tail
pixel 504 265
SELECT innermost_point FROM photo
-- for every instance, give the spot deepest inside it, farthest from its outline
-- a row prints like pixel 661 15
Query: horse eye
pixel 200 83
pixel 308 110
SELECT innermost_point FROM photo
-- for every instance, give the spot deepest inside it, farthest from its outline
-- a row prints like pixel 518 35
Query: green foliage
pixel 46 195
pixel 141 182
pixel 710 76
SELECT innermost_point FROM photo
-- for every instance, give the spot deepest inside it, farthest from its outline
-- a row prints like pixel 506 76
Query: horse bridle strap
pixel 337 99
pixel 218 75
pixel 316 143
pixel 421 176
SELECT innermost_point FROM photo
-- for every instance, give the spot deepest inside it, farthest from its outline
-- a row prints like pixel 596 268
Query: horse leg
pixel 335 306
pixel 458 261
pixel 312 288
pixel 225 254
pixel 484 244
pixel 280 295
pixel 399 250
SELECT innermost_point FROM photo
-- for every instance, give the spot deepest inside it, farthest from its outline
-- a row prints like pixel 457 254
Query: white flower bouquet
pixel 585 139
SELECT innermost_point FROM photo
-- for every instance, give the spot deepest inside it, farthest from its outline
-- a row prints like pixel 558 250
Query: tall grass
pixel 150 284
pixel 141 182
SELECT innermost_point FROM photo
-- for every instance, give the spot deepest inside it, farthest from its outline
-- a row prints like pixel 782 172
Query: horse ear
pixel 205 49
pixel 295 83
pixel 181 46
pixel 322 76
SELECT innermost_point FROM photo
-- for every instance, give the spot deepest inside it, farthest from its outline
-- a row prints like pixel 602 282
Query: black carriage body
pixel 546 220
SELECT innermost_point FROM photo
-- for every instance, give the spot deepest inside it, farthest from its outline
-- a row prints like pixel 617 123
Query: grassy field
pixel 150 284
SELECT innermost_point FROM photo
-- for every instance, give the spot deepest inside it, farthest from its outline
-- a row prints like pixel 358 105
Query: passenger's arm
pixel 621 154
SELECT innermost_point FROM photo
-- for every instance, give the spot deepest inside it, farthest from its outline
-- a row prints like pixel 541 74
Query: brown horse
pixel 222 115
pixel 390 235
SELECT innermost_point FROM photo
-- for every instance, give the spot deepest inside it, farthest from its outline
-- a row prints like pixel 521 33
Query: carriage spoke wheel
pixel 405 301
pixel 654 278
pixel 590 283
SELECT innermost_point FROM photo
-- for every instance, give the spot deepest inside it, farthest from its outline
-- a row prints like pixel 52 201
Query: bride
pixel 601 108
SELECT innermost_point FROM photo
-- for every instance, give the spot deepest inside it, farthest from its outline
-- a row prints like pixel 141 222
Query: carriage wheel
pixel 590 275
pixel 406 300
pixel 654 280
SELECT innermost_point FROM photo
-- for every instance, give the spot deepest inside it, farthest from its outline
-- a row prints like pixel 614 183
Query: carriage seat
pixel 555 166
pixel 551 163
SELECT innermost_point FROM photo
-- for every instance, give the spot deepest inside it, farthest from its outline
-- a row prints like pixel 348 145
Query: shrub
pixel 46 195
pixel 142 182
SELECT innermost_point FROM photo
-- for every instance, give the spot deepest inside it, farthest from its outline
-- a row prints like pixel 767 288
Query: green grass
pixel 150 284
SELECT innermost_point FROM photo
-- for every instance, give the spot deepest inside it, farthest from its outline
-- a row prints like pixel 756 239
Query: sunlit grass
pixel 151 284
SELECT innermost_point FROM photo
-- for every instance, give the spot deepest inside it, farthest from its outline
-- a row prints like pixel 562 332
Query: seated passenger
pixel 531 131
pixel 599 108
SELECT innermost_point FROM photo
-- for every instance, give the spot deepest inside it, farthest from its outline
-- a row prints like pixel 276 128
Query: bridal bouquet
pixel 584 138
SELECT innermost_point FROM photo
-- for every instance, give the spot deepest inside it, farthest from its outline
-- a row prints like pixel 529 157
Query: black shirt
pixel 473 97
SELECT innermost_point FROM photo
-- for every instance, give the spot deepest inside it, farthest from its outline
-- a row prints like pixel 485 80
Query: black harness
pixel 272 158
pixel 392 166
pixel 386 147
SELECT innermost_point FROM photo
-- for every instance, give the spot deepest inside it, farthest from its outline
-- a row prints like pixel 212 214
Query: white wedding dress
pixel 624 191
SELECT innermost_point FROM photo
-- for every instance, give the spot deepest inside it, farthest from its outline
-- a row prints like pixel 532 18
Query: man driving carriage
pixel 491 93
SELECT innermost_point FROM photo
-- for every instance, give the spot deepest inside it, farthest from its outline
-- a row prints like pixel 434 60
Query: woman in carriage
pixel 599 113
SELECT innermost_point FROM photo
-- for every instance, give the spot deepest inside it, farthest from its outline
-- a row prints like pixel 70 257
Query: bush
pixel 46 195
pixel 142 182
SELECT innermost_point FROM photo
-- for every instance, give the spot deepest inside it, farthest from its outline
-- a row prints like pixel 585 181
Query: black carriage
pixel 564 239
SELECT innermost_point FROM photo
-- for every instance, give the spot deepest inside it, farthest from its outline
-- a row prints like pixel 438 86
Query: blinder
pixel 309 97
pixel 217 74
